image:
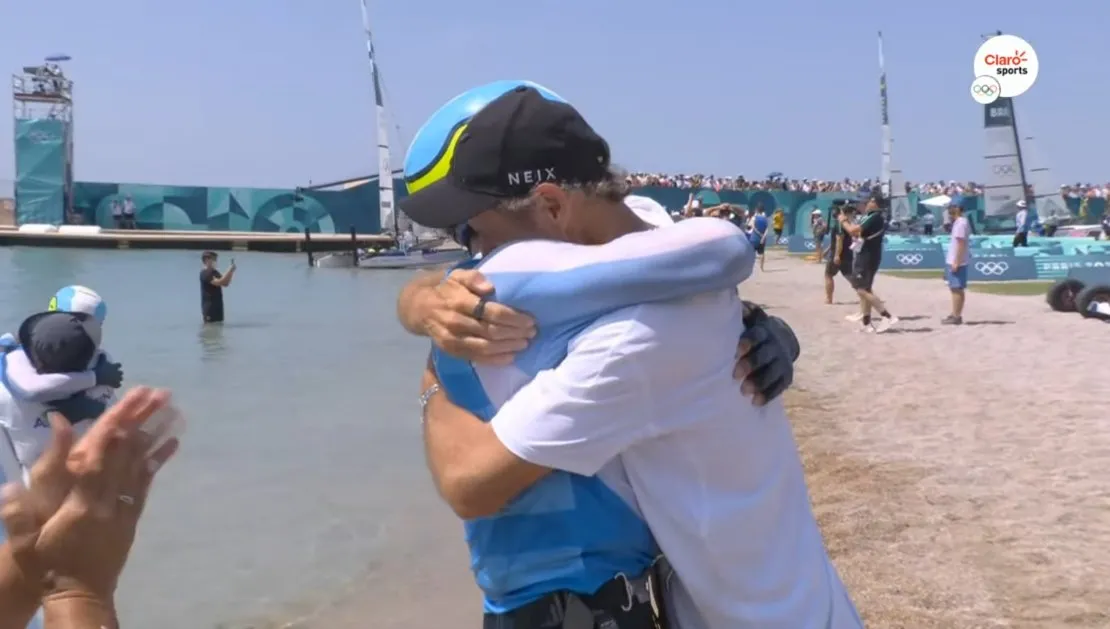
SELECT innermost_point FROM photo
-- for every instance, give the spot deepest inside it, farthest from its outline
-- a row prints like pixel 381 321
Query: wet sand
pixel 960 474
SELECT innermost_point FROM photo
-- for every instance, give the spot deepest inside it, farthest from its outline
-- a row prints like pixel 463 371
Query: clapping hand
pixel 108 374
pixel 75 526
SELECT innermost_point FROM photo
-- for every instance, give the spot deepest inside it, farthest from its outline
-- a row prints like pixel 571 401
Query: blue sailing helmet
pixel 79 299
pixel 429 156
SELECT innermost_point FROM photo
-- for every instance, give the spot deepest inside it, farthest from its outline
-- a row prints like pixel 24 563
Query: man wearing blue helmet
pixel 621 413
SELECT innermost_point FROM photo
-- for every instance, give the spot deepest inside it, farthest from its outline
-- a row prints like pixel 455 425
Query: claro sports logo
pixel 1012 64
pixel 1004 65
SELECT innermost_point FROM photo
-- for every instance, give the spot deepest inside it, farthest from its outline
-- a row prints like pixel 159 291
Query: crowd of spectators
pixel 778 182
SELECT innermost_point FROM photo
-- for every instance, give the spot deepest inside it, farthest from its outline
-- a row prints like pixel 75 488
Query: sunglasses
pixel 464 234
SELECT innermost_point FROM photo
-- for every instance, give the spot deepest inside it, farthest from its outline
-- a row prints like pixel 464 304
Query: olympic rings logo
pixel 992 268
pixel 985 90
pixel 1004 169
pixel 810 244
pixel 910 259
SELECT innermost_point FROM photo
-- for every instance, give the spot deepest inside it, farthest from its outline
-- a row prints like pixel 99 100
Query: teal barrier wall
pixel 234 209
pixel 40 171
pixel 277 210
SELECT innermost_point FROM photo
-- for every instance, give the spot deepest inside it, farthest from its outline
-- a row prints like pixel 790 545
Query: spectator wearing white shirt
pixel 117 214
pixel 129 212
pixel 1021 225
pixel 959 254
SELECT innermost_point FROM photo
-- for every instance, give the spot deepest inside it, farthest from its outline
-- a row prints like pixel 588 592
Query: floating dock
pixel 195 240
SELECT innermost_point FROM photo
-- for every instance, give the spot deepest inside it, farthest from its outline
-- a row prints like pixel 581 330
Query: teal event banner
pixel 40 171
pixel 330 211
pixel 1057 267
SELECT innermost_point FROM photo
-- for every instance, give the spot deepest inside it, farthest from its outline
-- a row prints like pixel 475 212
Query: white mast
pixel 893 182
pixel 884 176
pixel 390 220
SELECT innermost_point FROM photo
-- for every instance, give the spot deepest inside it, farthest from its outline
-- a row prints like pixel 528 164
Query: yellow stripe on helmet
pixel 439 169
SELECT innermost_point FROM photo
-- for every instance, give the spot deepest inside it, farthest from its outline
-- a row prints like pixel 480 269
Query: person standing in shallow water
pixel 212 285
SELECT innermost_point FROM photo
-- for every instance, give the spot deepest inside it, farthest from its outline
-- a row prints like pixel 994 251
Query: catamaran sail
pixel 893 182
pixel 390 220
pixel 1046 196
pixel 1005 181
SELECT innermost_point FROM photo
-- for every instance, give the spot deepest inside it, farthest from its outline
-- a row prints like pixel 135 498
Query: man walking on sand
pixel 959 254
pixel 867 246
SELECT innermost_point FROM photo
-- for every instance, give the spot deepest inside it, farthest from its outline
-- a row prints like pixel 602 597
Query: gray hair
pixel 613 187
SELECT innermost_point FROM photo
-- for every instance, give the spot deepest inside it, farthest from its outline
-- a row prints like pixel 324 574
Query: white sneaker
pixel 869 329
pixel 886 323
pixel 854 318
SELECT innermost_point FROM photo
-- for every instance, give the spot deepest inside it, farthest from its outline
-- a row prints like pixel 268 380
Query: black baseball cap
pixel 59 342
pixel 517 141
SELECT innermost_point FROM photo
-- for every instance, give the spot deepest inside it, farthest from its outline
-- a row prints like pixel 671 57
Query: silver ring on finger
pixel 479 308
pixel 127 500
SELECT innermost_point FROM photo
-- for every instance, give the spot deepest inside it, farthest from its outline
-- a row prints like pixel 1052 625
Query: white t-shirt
pixel 961 230
pixel 719 481
pixel 1019 221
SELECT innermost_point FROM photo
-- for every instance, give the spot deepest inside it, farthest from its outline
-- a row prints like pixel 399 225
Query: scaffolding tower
pixel 42 108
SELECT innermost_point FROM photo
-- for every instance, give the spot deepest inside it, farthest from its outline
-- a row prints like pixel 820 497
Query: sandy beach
pixel 959 474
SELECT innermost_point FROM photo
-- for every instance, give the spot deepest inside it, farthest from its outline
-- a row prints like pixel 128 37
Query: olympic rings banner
pixel 1003 268
pixel 909 260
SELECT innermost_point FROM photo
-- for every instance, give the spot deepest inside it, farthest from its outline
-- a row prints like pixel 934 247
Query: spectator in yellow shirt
pixel 778 221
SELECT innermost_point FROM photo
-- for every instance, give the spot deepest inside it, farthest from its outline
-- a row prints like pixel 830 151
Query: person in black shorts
pixel 212 285
pixel 838 259
pixel 867 245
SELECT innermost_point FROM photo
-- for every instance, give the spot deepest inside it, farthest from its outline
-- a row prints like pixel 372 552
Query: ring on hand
pixel 479 308
pixel 127 500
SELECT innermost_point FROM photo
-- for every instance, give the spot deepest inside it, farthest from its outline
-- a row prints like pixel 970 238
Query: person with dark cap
pixel 621 415
pixel 53 349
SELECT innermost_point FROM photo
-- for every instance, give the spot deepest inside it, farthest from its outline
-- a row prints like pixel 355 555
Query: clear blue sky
pixel 275 93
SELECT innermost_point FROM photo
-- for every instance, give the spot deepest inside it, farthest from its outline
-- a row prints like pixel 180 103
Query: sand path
pixel 961 475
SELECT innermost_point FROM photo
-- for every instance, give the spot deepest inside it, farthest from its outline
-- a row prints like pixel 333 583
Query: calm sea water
pixel 303 442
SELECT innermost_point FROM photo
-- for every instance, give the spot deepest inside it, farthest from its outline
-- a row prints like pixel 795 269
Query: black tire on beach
pixel 1061 295
pixel 1090 295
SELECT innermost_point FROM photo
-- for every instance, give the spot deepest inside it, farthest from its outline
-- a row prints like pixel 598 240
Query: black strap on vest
pixel 621 603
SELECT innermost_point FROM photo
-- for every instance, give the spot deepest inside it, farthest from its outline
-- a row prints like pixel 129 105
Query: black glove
pixel 108 374
pixel 774 348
